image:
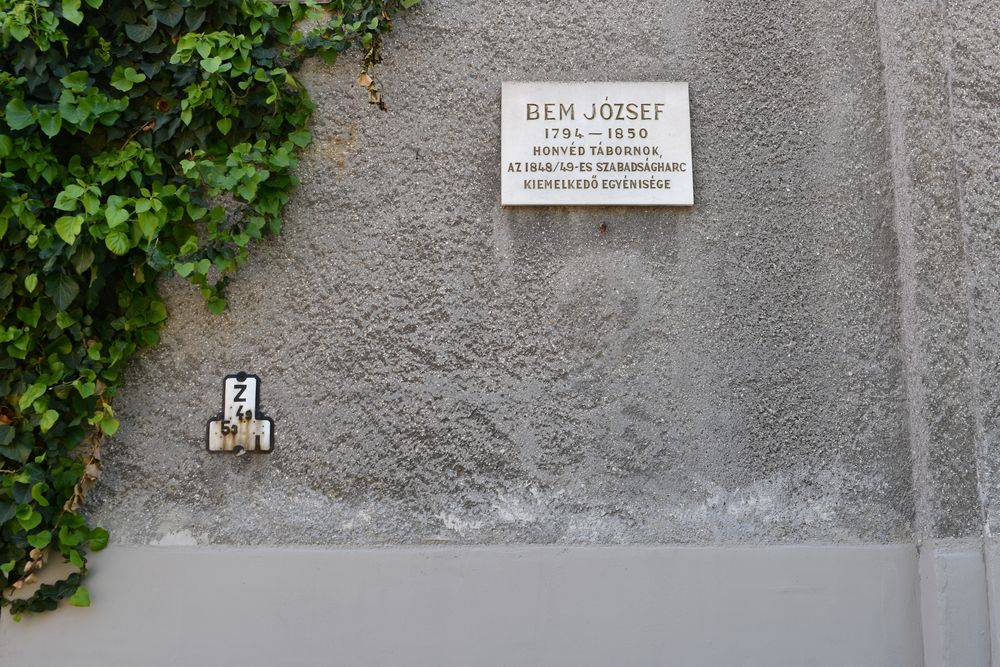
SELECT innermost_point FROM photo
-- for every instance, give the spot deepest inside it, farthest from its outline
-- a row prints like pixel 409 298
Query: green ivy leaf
pixel 170 16
pixel 68 227
pixel 109 425
pixel 69 537
pixel 76 81
pixel 80 598
pixel 119 81
pixel 76 559
pixel 48 420
pixel 17 451
pixel 28 517
pixel 300 138
pixel 140 32
pixel 71 11
pixel 6 512
pixel 211 65
pixel 17 115
pixel 157 312
pixel 30 395
pixel 19 32
pixel 38 493
pixel 149 222
pixel 61 289
pixel 50 123
pixel 115 216
pixel 98 539
pixel 64 320
pixel 41 539
pixel 83 259
pixel 124 78
pixel 30 315
pixel 189 246
pixel 118 242
pixel 65 201
pixel 216 305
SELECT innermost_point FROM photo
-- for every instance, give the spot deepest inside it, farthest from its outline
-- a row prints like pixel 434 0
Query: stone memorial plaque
pixel 596 143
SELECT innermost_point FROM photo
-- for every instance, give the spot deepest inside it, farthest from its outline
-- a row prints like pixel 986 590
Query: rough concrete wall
pixel 935 303
pixel 440 369
pixel 974 70
pixel 941 64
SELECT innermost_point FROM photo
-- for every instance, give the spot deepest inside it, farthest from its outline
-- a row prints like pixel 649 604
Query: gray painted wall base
pixel 954 603
pixel 690 606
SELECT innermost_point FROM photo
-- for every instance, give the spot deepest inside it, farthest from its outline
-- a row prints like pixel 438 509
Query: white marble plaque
pixel 596 143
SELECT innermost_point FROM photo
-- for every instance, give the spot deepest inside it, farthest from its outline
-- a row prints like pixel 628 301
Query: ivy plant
pixel 137 138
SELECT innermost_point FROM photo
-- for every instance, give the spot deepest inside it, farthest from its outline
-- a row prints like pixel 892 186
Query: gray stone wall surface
pixel 444 370
pixel 941 64
pixel 974 59
pixel 935 299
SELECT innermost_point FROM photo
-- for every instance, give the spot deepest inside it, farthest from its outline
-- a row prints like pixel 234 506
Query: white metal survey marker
pixel 240 427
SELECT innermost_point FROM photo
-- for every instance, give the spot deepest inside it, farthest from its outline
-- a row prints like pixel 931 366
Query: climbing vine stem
pixel 137 138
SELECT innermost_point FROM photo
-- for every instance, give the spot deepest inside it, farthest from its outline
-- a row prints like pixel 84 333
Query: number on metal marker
pixel 240 426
